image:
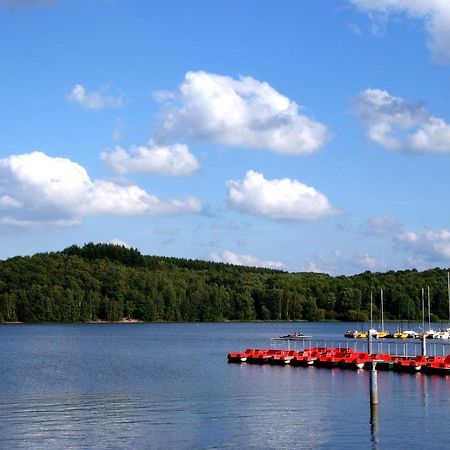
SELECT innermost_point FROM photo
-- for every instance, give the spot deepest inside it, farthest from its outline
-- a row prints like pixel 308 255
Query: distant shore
pixel 124 320
pixel 363 325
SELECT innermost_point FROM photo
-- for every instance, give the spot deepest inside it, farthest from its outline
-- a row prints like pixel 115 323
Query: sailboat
pixel 382 333
pixel 408 334
pixel 355 333
pixel 430 333
pixel 445 334
pixel 373 331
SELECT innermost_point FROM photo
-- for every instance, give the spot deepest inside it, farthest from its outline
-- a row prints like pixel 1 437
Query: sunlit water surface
pixel 165 386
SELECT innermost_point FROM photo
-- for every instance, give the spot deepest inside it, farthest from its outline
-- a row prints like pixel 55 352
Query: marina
pixel 344 359
pixel 385 354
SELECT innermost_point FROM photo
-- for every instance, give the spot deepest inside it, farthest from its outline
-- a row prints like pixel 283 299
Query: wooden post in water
pixel 373 398
pixel 374 423
pixel 424 345
pixel 373 385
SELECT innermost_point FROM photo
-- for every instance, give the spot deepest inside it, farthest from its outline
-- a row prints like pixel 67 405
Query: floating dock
pixel 346 356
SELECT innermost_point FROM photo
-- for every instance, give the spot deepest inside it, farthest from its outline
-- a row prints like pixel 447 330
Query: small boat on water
pixel 240 356
pixel 357 360
pixel 283 357
pixel 406 334
pixel 261 356
pixel 306 357
pixel 356 334
pixel 443 334
pixel 438 365
pixel 384 361
pixel 293 337
pixel 410 365
pixel 378 334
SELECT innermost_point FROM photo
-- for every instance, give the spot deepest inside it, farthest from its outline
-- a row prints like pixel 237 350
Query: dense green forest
pixel 110 282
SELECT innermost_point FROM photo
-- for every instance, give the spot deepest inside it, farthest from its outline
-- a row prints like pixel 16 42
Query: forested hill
pixel 110 282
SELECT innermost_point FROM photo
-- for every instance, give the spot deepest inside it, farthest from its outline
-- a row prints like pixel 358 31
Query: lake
pixel 166 386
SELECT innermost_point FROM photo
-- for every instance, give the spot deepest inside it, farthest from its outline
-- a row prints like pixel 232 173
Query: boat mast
pixel 429 311
pixel 423 310
pixel 448 290
pixel 382 319
pixel 371 309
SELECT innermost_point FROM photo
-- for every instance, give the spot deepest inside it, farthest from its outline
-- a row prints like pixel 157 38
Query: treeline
pixel 110 282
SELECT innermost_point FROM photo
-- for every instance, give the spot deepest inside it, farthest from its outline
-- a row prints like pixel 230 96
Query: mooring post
pixel 373 407
pixel 373 385
pixel 424 345
pixel 369 342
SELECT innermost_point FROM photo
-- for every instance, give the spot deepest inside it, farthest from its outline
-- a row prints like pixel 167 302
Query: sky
pixel 301 135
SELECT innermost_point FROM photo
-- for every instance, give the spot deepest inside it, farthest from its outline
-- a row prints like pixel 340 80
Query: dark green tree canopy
pixel 111 282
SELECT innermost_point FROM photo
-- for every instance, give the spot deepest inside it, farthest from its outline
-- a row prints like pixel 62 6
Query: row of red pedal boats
pixel 344 358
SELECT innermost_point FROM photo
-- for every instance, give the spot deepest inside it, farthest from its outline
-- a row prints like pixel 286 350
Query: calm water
pixel 166 386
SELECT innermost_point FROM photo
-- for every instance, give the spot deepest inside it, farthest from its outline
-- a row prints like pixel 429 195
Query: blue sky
pixel 301 135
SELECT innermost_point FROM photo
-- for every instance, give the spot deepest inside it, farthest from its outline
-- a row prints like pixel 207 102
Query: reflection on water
pixel 169 386
pixel 374 425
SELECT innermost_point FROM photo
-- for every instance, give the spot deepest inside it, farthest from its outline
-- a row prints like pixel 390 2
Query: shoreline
pixel 138 321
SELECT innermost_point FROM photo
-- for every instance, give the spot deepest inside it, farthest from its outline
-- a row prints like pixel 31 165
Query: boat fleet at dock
pixel 345 358
pixel 400 333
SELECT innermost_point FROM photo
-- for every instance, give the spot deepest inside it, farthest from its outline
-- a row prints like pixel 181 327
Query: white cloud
pixel 14 222
pixel 409 237
pixel 331 264
pixel 94 100
pixel 396 124
pixel 434 13
pixel 58 190
pixel 337 264
pixel 173 160
pixel 366 262
pixel 240 112
pixel 431 245
pixel 8 202
pixel 380 226
pixel 120 243
pixel 314 268
pixel 283 199
pixel 244 260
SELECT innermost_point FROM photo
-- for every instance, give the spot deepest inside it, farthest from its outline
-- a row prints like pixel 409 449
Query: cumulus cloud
pixel 283 199
pixel 337 264
pixel 8 202
pixel 244 260
pixel 434 13
pixel 364 261
pixel 13 222
pixel 431 245
pixel 38 188
pixel 174 160
pixel 94 100
pixel 380 226
pixel 397 124
pixel 240 112
pixel 314 268
pixel 120 243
